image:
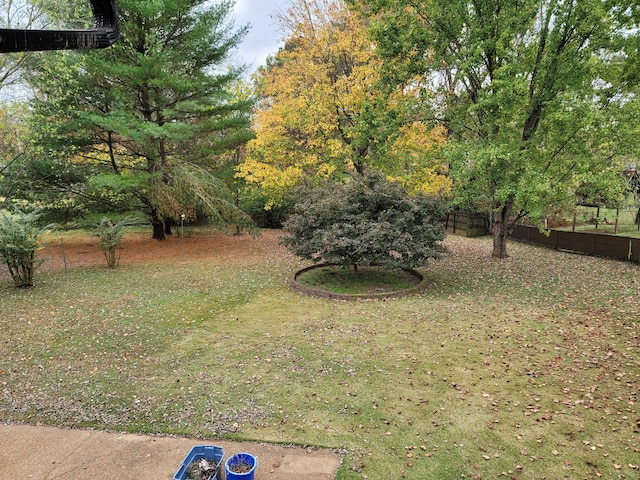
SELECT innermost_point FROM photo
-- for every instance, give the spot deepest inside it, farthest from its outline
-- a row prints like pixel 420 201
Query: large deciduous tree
pixel 524 89
pixel 150 117
pixel 323 113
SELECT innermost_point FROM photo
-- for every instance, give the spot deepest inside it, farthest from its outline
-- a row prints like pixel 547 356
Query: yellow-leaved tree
pixel 324 112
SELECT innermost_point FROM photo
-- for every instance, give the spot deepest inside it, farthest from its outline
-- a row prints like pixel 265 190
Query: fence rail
pixel 620 248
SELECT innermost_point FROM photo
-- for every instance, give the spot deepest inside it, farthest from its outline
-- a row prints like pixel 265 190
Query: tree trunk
pixel 158 226
pixel 158 230
pixel 500 229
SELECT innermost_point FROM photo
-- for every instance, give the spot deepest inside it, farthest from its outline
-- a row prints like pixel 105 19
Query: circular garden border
pixel 317 292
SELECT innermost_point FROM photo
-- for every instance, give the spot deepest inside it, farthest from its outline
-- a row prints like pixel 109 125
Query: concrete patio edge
pixel 48 453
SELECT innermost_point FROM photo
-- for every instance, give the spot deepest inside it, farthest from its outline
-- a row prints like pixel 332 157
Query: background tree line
pixel 496 106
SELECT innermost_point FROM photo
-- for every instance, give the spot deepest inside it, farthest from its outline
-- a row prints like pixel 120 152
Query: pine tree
pixel 151 115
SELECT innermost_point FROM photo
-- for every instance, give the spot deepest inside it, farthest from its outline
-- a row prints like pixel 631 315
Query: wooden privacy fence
pixel 466 225
pixel 620 248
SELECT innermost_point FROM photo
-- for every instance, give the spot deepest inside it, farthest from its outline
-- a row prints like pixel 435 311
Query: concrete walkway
pixel 48 453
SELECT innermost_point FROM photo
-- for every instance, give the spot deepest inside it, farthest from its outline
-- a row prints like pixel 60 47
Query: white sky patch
pixel 264 37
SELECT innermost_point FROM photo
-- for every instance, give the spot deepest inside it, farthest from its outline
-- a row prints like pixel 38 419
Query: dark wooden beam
pixel 105 32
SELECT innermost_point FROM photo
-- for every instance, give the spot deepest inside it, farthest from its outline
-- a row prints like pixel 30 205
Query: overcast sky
pixel 263 38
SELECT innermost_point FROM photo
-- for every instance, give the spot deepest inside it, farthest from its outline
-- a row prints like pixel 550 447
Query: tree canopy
pixel 523 88
pixel 323 113
pixel 507 107
pixel 150 118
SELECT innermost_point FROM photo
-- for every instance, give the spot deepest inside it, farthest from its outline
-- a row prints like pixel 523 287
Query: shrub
pixel 20 239
pixel 369 220
pixel 111 234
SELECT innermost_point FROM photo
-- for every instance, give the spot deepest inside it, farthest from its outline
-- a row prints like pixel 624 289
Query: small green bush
pixel 111 234
pixel 20 239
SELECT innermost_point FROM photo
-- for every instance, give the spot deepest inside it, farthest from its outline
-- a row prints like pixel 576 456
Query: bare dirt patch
pixel 140 248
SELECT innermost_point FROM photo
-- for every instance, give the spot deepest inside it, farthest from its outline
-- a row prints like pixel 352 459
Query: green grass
pixel 526 368
pixel 366 280
pixel 606 221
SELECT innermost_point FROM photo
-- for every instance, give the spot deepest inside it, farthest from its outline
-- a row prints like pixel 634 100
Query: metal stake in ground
pixel 182 235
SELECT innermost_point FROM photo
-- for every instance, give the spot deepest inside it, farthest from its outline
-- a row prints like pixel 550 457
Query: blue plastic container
pixel 209 452
pixel 242 457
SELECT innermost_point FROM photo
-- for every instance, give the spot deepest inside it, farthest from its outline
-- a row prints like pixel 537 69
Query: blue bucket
pixel 242 458
pixel 209 452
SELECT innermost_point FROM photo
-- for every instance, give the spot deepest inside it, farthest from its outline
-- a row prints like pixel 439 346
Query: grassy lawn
pixel 526 368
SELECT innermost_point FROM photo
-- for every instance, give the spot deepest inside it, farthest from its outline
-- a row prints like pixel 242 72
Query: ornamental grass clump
pixel 20 239
pixel 111 235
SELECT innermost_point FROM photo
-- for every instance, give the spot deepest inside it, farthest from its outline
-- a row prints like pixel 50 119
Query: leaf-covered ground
pixel 526 368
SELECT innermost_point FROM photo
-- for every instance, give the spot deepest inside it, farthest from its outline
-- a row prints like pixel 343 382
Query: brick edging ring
pixel 316 292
